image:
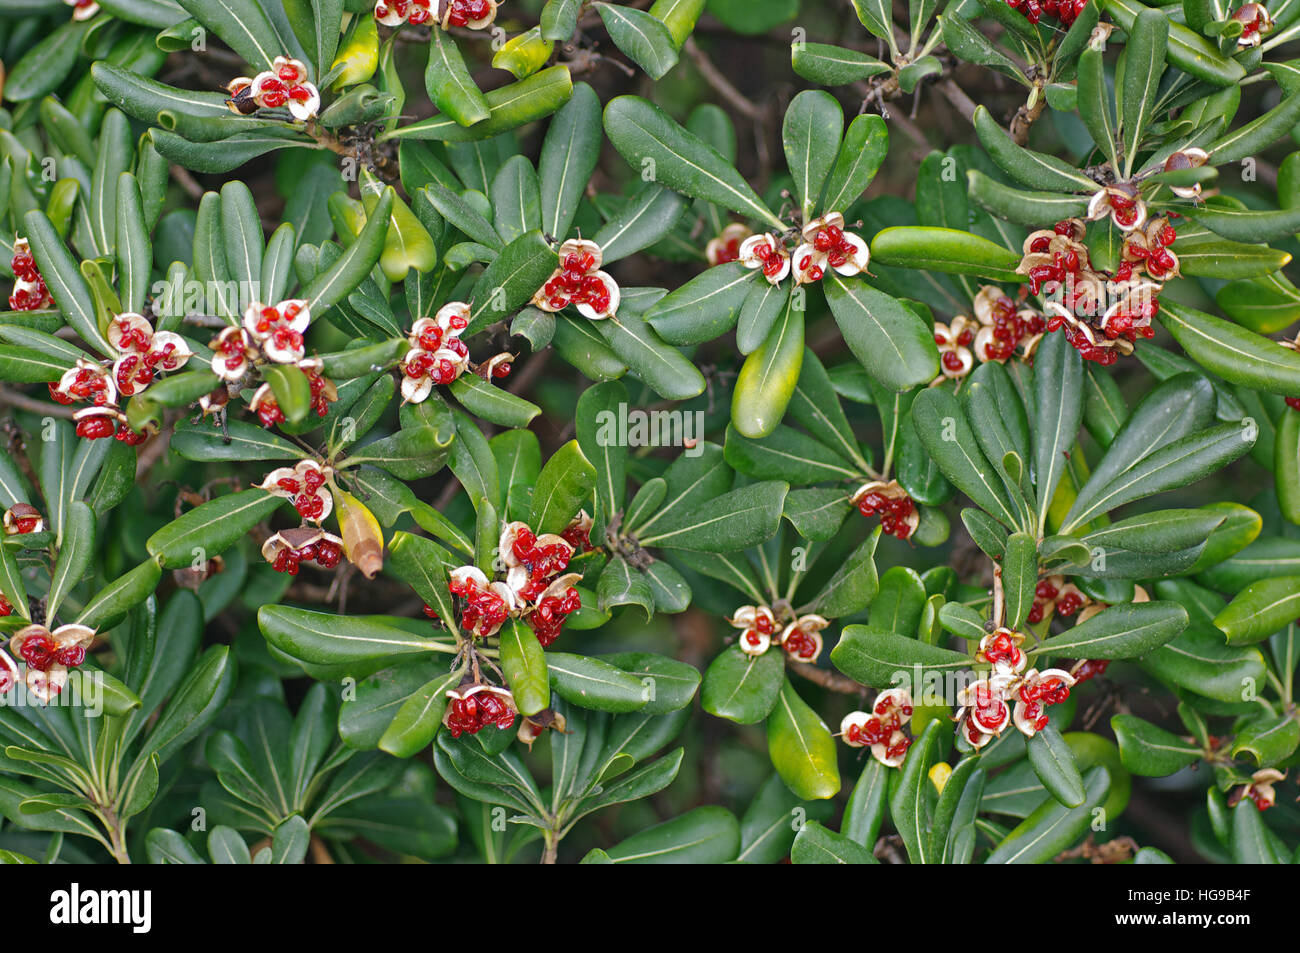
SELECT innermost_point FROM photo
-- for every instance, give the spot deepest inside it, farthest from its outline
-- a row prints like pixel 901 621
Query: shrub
pixel 615 448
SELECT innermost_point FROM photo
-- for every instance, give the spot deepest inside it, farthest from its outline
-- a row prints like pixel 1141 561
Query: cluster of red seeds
pixel 5 607
pixel 1035 697
pixel 284 86
pixel 831 242
pixel 99 426
pixel 40 651
pixel 762 626
pixel 893 512
pixel 575 285
pixel 577 536
pixel 727 251
pixel 951 359
pixel 469 715
pixel 1066 605
pixel 543 563
pixel 1002 648
pixel 483 607
pixel 309 503
pixel 1067 11
pixel 440 370
pixel 136 371
pixel 463 12
pixel 325 553
pixel 1159 260
pixel 799 644
pixel 232 348
pixel 1009 329
pixel 26 523
pixel 432 337
pixel 268 409
pixel 547 620
pixel 1070 266
pixel 30 299
pixel 880 727
pixel 1089 668
pixel 89 384
pixel 773 261
pixel 414 11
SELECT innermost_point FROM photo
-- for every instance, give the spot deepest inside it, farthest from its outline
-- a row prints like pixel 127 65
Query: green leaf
pixel 590 683
pixel 865 809
pixel 907 801
pixel 512 105
pixel 569 151
pixel 1121 631
pixel 491 403
pixel 1269 740
pixel 801 747
pixel 418 719
pixel 814 844
pixel 769 375
pixel 323 638
pixel 565 483
pixel 1251 840
pixel 192 707
pixel 744 517
pixel 1259 610
pixel 661 149
pixel 644 220
pixel 560 19
pixel 1150 751
pixel 672 683
pixel 523 662
pixel 861 153
pixel 706 306
pixel 643 38
pixel 945 249
pixel 1054 764
pixel 450 87
pixel 1019 577
pixel 948 438
pixel 76 553
pixel 833 65
pixel 128 590
pixel 1177 464
pixel 1187 50
pixel 660 365
pixel 622 585
pixel 705 835
pixel 1144 64
pixel 888 339
pixel 883 659
pixel 1018 206
pixel 741 688
pixel 510 280
pixel 352 267
pixel 1246 225
pixel 973 46
pixel 1052 827
pixel 1058 407
pixel 64 280
pixel 1034 169
pixel 813 126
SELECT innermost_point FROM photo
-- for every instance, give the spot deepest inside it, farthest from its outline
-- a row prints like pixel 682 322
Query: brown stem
pixel 714 77
pixel 1026 116
pixel 319 854
pixel 832 681
pixel 23 402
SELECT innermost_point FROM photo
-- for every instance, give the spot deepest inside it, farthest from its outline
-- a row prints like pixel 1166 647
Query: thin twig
pixel 23 402
pixel 714 77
